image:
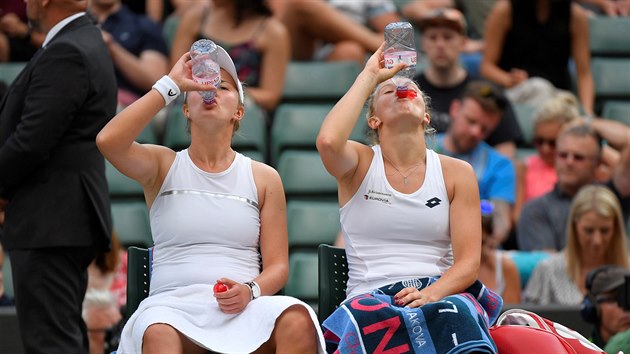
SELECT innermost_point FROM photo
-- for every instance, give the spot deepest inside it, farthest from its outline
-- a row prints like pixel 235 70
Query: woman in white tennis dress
pixel 216 215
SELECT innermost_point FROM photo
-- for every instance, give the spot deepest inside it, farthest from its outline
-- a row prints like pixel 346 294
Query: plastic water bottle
pixel 205 68
pixel 400 47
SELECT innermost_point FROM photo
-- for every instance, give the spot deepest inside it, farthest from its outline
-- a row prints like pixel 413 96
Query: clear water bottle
pixel 205 68
pixel 400 47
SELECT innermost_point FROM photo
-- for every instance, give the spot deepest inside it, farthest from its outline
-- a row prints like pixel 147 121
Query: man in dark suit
pixel 52 177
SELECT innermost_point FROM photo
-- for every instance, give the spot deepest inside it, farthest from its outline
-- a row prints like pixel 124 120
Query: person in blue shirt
pixel 473 117
pixel 136 45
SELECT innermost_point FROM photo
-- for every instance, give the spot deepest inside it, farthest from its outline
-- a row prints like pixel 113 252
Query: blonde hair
pixel 563 107
pixel 372 134
pixel 602 201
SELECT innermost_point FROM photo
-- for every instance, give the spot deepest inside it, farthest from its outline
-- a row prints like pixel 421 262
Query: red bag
pixel 522 332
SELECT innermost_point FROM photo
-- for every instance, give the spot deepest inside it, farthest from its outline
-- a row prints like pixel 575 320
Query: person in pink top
pixel 536 174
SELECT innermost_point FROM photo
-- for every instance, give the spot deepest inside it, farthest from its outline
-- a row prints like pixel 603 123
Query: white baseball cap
pixel 226 63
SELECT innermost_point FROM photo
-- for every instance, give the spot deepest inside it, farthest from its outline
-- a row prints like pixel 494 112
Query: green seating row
pixel 9 71
pixel 608 36
pixel 617 110
pixel 612 80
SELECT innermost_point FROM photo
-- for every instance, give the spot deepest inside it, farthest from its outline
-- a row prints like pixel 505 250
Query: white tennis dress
pixel 206 226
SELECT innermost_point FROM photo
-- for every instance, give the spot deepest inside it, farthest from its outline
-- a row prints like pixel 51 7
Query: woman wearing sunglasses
pixel 536 174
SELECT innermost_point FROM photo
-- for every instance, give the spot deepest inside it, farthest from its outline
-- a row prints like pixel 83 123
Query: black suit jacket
pixel 50 168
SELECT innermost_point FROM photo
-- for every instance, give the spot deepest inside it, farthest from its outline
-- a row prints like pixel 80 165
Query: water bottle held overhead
pixel 205 68
pixel 400 47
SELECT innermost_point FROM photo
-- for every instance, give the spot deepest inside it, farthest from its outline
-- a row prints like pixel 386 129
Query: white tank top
pixel 205 225
pixel 392 236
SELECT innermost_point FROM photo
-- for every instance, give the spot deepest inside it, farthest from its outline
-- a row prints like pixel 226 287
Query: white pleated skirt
pixel 194 312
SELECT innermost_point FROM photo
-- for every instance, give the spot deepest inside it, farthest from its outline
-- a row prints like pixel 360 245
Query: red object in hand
pixel 406 93
pixel 220 287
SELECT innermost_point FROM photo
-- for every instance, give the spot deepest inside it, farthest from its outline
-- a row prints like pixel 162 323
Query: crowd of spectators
pixel 477 63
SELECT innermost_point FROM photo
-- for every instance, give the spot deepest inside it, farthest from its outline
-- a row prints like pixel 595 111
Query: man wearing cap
pixel 604 302
pixel 474 116
pixel 444 80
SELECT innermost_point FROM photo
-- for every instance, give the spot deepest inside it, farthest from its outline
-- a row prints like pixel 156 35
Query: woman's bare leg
pixel 309 21
pixel 294 333
pixel 162 338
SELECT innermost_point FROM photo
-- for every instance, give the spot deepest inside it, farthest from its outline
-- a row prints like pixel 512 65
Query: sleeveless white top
pixel 392 236
pixel 206 226
pixel 200 216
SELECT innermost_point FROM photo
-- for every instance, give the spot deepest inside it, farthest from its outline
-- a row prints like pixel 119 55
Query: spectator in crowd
pixel 528 45
pixel 543 221
pixel 108 272
pixel 619 342
pixel 156 10
pixel 475 13
pixel 607 308
pixel 171 21
pixel 258 42
pixel 5 300
pixel 595 237
pixel 497 270
pixel 18 41
pixel 445 79
pixel 136 46
pixel 102 317
pixel 238 203
pixel 536 174
pixel 474 115
pixel 613 8
pixel 53 188
pixel 389 193
pixel 337 29
pixel 105 298
pixel 471 52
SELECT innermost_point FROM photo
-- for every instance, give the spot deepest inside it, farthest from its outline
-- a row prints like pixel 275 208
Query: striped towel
pixel 373 323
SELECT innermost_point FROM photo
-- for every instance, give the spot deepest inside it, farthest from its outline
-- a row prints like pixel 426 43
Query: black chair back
pixel 332 279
